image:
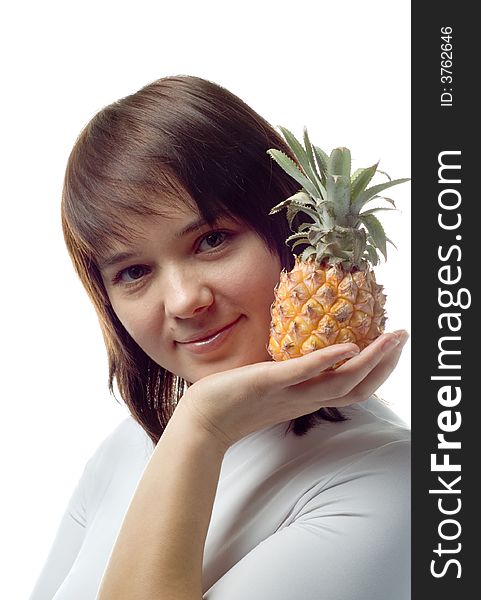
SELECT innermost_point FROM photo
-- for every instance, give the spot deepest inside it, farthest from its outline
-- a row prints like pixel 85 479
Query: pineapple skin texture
pixel 319 305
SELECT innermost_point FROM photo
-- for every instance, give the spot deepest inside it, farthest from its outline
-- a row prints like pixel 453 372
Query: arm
pixel 161 557
pixel 61 557
pixel 80 550
pixel 69 537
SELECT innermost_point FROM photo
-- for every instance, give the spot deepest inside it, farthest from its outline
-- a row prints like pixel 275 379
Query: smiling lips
pixel 210 341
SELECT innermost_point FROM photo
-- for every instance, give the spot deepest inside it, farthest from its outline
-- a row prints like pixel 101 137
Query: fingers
pixel 370 383
pixel 307 383
pixel 297 370
pixel 360 366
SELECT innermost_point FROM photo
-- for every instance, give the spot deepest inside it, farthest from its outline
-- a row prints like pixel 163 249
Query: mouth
pixel 209 340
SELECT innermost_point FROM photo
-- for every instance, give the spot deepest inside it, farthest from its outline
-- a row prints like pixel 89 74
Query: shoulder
pixel 370 474
pixel 361 466
pixel 372 426
pixel 121 455
pixel 338 496
pixel 127 438
pixel 377 447
pixel 370 429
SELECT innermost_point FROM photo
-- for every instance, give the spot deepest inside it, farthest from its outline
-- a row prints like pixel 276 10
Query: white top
pixel 324 516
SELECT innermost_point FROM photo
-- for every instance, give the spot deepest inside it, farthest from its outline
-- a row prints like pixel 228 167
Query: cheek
pixel 253 285
pixel 137 320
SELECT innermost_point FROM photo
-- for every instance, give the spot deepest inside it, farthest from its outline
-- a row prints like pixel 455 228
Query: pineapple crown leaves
pixel 333 198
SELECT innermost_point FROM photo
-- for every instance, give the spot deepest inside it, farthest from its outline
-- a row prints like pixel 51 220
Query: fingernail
pixel 390 344
pixel 402 335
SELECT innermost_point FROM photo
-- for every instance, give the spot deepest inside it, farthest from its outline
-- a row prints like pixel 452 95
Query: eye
pixel 130 275
pixel 212 240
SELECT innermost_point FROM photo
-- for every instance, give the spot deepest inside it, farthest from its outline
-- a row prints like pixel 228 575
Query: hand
pixel 234 403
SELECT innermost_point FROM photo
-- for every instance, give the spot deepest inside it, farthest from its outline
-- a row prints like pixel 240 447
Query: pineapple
pixel 331 295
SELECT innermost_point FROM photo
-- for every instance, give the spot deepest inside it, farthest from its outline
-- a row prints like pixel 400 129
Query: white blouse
pixel 324 516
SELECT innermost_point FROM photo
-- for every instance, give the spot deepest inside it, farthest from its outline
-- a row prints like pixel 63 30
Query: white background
pixel 341 69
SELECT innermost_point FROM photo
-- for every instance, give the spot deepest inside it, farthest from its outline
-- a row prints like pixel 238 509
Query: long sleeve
pixel 67 543
pixel 92 519
pixel 62 555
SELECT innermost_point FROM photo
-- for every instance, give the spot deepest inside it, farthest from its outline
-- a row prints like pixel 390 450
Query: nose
pixel 186 294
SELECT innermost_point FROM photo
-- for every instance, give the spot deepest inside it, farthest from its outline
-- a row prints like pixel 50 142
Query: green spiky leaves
pixel 333 198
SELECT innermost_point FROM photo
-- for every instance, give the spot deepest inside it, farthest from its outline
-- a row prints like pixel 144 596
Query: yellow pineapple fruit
pixel 331 295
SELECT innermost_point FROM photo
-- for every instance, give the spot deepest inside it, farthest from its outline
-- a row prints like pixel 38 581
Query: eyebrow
pixel 119 257
pixel 191 227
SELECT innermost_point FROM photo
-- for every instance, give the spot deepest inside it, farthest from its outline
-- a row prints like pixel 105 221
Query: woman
pixel 236 476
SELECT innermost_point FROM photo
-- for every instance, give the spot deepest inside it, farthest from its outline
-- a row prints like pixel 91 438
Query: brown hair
pixel 176 137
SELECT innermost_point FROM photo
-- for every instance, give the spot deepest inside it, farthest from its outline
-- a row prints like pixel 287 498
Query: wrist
pixel 192 423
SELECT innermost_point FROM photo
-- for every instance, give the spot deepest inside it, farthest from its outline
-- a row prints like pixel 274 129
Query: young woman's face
pixel 196 299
